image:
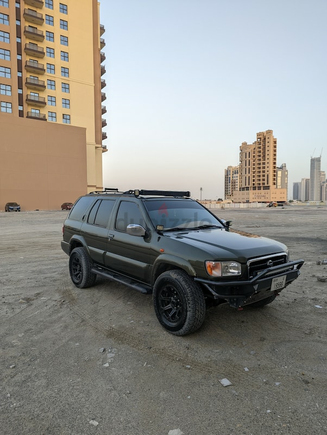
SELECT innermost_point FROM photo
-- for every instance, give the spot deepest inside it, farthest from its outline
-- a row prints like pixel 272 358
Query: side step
pixel 143 288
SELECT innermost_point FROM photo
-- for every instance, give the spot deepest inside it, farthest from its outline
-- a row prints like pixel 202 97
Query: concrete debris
pixel 102 349
pixel 318 306
pixel 246 369
pixel 175 432
pixel 93 422
pixel 12 366
pixel 319 262
pixel 106 365
pixel 225 382
pixel 322 278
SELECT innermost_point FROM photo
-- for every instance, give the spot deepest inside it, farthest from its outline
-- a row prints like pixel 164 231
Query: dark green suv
pixel 167 244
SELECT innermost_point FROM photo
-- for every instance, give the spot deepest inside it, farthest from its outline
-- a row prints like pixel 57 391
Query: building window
pixel 65 87
pixel 19 56
pixel 6 89
pixel 4 37
pixel 66 103
pixel 4 3
pixel 52 116
pixel 63 8
pixel 4 54
pixel 49 4
pixel 17 5
pixel 64 24
pixel 51 101
pixel 49 20
pixel 5 72
pixel 50 52
pixel 18 22
pixel 49 36
pixel 50 68
pixel 64 71
pixel 63 40
pixel 20 91
pixel 64 56
pixel 6 107
pixel 51 84
pixel 66 119
pixel 35 111
pixel 4 19
pixel 18 39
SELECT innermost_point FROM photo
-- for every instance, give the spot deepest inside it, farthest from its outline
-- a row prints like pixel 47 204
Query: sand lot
pixel 97 361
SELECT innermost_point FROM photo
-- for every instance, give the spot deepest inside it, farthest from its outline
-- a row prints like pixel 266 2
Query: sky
pixel 189 80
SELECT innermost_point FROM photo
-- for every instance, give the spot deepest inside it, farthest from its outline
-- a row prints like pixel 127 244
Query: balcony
pixel 33 33
pixel 104 122
pixel 33 16
pixel 103 110
pixel 34 50
pixel 103 83
pixel 34 67
pixel 104 148
pixel 104 135
pixel 103 70
pixel 36 84
pixel 35 115
pixel 102 43
pixel 102 56
pixel 102 29
pixel 35 100
pixel 103 96
pixel 35 3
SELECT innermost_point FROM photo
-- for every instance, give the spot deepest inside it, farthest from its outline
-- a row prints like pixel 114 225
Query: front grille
pixel 256 265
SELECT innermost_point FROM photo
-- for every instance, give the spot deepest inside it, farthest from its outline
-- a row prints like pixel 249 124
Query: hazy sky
pixel 189 80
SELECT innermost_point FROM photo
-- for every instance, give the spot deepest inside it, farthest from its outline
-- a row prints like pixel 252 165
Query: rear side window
pixel 100 212
pixel 128 213
pixel 80 208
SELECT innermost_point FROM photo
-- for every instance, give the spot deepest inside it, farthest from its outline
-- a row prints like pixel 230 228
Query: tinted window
pixel 128 213
pixel 80 208
pixel 93 212
pixel 103 213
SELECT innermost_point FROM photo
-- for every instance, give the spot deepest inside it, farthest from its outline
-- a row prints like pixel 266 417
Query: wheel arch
pixel 170 262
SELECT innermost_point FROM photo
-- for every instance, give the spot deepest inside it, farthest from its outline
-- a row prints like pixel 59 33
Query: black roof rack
pixel 144 192
pixel 106 190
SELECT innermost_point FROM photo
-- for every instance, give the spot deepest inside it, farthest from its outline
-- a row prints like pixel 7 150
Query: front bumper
pixel 241 293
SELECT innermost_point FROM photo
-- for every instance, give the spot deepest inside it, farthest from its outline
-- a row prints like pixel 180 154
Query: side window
pixel 81 206
pixel 93 212
pixel 103 213
pixel 128 213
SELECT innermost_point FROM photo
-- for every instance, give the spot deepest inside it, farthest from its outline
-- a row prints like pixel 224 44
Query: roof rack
pixel 144 192
pixel 106 190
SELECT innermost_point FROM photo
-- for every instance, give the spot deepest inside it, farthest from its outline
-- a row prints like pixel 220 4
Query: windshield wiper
pixel 203 227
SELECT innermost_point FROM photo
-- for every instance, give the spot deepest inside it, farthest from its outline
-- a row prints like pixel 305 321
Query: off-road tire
pixel 80 268
pixel 263 302
pixel 178 302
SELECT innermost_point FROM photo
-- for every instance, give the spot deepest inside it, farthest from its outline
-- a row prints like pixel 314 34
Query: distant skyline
pixel 189 80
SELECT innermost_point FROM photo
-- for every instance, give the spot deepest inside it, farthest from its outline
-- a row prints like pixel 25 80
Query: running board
pixel 143 288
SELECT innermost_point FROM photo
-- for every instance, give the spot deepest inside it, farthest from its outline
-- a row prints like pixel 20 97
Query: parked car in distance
pixel 66 206
pixel 167 244
pixel 12 206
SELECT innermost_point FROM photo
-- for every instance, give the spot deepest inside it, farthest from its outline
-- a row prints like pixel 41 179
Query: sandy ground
pixel 97 361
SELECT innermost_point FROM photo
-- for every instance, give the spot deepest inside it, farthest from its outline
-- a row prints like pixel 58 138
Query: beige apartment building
pixel 259 179
pixel 51 125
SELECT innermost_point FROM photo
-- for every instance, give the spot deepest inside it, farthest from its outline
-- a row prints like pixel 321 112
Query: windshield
pixel 173 214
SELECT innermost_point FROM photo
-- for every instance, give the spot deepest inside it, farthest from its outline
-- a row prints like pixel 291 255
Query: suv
pixel 167 244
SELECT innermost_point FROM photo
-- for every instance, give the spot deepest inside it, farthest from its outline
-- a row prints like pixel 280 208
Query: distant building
pixel 296 190
pixel 304 189
pixel 231 181
pixel 315 179
pixel 258 172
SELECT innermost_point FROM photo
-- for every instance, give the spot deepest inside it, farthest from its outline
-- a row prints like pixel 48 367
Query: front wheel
pixel 80 268
pixel 178 302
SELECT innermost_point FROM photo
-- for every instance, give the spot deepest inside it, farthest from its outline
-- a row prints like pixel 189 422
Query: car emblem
pixel 270 263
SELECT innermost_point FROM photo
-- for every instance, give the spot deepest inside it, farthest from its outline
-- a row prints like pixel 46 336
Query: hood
pixel 221 244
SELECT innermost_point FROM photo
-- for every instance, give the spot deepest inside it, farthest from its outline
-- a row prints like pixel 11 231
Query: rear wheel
pixel 178 302
pixel 80 268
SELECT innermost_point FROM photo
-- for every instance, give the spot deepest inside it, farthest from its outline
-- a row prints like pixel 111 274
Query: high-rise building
pixel 296 190
pixel 305 189
pixel 315 179
pixel 258 171
pixel 231 181
pixel 50 101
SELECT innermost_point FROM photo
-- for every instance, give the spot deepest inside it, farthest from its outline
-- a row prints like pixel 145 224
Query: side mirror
pixel 228 224
pixel 135 230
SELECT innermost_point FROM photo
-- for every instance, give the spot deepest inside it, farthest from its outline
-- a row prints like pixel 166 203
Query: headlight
pixel 223 268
